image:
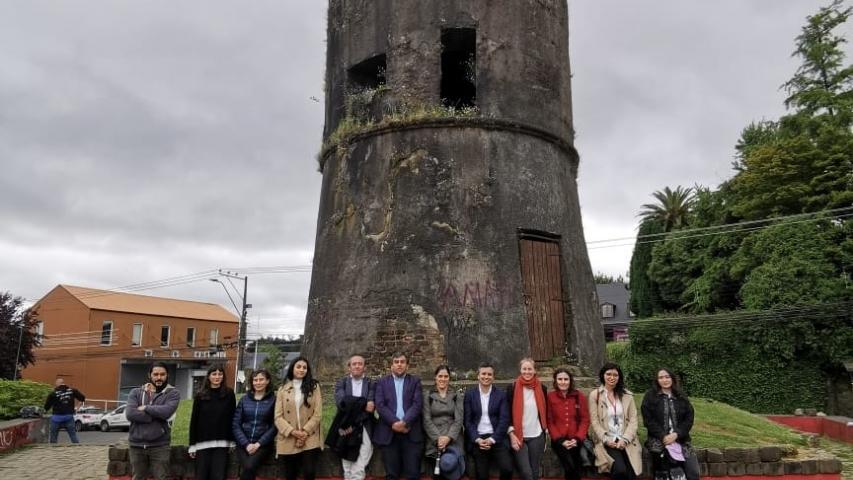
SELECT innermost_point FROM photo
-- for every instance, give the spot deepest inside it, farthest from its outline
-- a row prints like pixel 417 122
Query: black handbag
pixel 586 448
pixel 654 445
pixel 587 453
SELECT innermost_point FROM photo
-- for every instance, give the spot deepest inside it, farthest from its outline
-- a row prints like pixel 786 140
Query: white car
pixel 115 419
pixel 87 417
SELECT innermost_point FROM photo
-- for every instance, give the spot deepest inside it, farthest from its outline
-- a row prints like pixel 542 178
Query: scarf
pixel 518 403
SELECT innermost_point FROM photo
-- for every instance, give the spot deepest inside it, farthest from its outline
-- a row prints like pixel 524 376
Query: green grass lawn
pixel 717 425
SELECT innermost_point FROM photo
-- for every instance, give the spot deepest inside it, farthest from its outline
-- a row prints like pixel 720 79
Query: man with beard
pixel 61 400
pixel 149 409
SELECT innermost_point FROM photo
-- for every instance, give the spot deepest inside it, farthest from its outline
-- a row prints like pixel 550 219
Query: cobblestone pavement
pixel 46 462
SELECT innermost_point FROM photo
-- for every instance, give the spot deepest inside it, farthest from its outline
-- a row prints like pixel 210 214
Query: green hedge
pixel 21 393
pixel 736 363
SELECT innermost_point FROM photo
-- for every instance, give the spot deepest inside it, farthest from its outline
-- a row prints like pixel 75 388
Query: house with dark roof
pixel 103 342
pixel 614 309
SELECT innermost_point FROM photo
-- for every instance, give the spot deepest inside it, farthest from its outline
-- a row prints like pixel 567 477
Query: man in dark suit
pixel 357 389
pixel 486 414
pixel 399 401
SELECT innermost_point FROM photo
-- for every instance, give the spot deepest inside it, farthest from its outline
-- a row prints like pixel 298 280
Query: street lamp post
pixel 241 332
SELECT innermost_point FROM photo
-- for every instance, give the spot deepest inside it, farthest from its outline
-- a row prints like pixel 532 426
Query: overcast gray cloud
pixel 147 140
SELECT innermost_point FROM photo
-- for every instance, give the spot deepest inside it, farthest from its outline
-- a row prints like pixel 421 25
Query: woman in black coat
pixel 668 417
pixel 210 426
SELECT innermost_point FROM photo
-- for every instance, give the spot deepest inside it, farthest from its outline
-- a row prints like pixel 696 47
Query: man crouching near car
pixel 148 410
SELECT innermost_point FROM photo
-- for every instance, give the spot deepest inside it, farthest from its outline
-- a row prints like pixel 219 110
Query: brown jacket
pixel 310 414
pixel 598 425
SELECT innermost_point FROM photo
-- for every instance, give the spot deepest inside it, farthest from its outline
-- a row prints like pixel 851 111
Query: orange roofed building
pixel 103 342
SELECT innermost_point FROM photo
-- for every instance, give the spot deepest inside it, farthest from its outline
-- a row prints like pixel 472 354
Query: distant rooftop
pixel 113 301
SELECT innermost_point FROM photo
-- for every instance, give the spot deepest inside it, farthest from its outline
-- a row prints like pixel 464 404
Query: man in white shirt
pixel 486 413
pixel 357 385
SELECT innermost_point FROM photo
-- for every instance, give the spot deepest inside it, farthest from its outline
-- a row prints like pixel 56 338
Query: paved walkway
pixel 45 462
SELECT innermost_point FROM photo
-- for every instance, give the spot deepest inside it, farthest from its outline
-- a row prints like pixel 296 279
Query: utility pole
pixel 18 355
pixel 241 331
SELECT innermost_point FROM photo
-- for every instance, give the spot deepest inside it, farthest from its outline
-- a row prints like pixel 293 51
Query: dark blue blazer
pixel 498 414
pixel 343 389
pixel 386 407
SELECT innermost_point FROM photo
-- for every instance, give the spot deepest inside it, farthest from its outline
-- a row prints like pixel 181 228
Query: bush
pixel 733 363
pixel 19 393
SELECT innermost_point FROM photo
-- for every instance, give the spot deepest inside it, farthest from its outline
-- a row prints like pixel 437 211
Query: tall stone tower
pixel 449 224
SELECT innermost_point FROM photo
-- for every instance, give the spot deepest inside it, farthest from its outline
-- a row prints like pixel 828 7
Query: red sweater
pixel 563 415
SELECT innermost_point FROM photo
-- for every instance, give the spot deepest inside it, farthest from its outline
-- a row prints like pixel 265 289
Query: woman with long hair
pixel 528 420
pixel 210 432
pixel 568 422
pixel 253 424
pixel 668 417
pixel 442 417
pixel 613 418
pixel 298 417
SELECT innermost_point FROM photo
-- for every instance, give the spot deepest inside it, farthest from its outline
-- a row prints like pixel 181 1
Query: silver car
pixel 115 419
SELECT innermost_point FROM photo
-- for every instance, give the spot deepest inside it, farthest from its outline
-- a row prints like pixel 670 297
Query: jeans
pixel 529 457
pixel 402 457
pixel 153 459
pixel 68 425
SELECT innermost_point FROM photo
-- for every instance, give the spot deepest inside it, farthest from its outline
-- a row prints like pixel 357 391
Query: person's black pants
pixel 402 458
pixel 249 464
pixel 499 454
pixel 570 459
pixel 211 463
pixel 663 461
pixel 306 459
pixel 621 469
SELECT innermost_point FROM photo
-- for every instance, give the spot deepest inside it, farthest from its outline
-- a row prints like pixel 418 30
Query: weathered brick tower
pixel 449 224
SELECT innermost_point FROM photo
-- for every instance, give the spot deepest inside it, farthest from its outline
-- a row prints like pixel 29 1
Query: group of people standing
pixel 499 428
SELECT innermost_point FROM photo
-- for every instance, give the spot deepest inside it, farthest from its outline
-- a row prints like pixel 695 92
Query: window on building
pixel 607 311
pixel 107 332
pixel 165 332
pixel 214 337
pixel 459 67
pixel 367 75
pixel 40 329
pixel 136 339
pixel 191 337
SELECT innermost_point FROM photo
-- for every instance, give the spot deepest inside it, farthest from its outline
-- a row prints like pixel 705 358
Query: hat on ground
pixel 452 464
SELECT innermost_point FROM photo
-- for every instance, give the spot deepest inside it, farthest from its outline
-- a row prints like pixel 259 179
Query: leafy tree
pixel 822 80
pixel 644 294
pixel 18 326
pixel 274 361
pixel 672 208
pixel 603 278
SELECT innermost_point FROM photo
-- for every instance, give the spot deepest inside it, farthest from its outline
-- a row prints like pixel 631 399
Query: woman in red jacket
pixel 568 422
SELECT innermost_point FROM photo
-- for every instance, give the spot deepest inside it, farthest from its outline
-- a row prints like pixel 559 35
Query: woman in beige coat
pixel 298 414
pixel 613 421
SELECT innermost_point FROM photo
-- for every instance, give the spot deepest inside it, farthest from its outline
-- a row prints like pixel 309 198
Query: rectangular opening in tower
pixel 367 75
pixel 459 67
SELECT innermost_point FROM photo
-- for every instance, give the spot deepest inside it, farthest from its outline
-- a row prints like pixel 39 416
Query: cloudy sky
pixel 144 141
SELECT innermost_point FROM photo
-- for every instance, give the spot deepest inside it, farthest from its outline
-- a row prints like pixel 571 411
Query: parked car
pixel 87 417
pixel 115 419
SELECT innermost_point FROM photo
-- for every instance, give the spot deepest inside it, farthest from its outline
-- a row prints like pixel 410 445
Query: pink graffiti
pixel 474 294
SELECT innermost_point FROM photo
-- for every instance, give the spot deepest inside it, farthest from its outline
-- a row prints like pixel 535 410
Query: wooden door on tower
pixel 543 297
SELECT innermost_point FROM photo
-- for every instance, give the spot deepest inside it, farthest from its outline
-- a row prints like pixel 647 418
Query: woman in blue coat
pixel 253 424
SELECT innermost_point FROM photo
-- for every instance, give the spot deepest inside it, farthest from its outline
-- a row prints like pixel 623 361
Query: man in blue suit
pixel 399 401
pixel 486 414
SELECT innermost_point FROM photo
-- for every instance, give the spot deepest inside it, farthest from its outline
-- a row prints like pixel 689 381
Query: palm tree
pixel 672 207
